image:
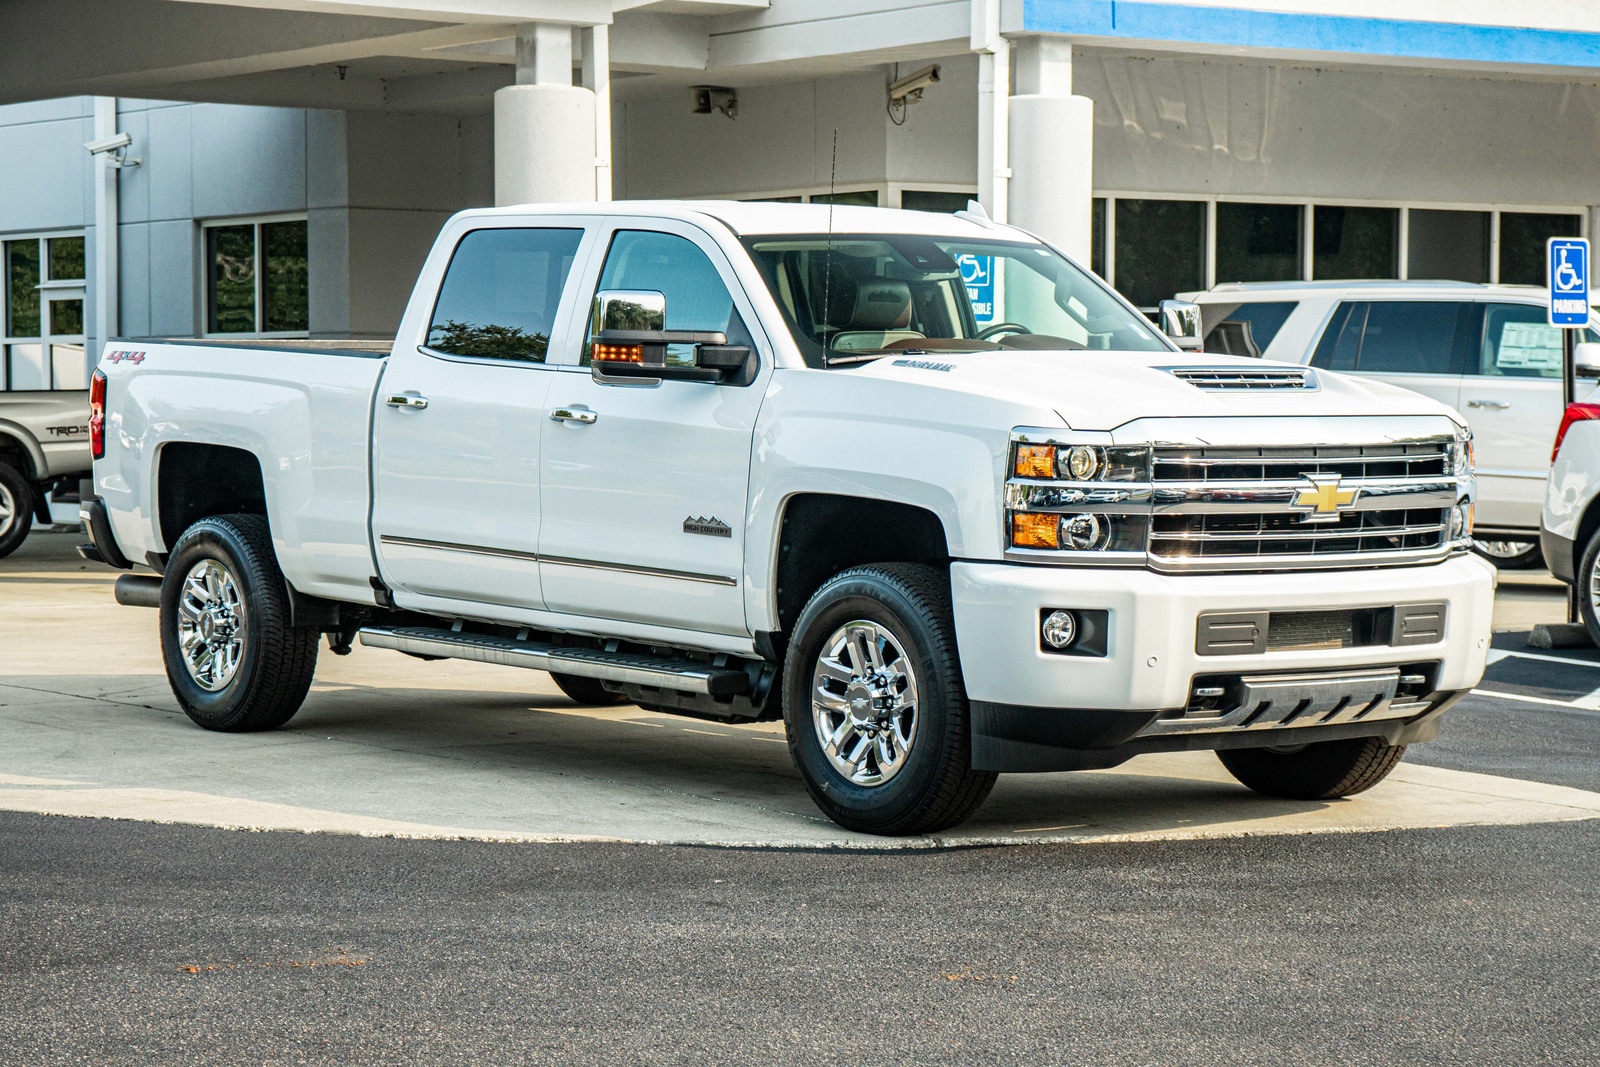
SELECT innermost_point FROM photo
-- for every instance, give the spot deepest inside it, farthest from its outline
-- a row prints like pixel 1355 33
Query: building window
pixel 1160 248
pixel 1259 242
pixel 43 345
pixel 1355 242
pixel 257 278
pixel 859 198
pixel 933 200
pixel 1097 235
pixel 1522 242
pixel 1447 245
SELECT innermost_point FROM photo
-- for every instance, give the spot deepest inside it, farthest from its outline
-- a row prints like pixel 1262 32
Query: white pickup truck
pixel 917 484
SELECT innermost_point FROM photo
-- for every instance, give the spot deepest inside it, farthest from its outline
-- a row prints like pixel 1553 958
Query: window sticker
pixel 1529 346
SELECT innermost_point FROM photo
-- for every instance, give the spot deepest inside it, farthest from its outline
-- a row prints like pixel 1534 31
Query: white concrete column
pixel 544 126
pixel 107 277
pixel 597 79
pixel 1052 148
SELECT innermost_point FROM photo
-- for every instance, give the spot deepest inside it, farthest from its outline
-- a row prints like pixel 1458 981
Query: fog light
pixel 1084 533
pixel 1081 462
pixel 1060 629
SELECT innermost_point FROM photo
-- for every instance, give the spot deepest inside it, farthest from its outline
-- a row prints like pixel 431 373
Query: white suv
pixel 1486 350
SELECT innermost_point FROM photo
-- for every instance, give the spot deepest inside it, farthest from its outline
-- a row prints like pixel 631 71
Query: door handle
pixel 1496 404
pixel 407 400
pixel 583 415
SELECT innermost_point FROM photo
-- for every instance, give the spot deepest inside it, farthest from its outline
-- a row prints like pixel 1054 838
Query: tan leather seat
pixel 881 317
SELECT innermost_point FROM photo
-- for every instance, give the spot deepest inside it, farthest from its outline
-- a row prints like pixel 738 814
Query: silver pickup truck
pixel 44 445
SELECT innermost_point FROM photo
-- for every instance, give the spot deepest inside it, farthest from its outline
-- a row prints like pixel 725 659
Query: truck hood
pixel 1104 390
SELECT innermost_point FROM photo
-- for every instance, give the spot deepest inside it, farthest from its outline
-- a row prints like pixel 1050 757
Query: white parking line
pixel 1498 654
pixel 1573 707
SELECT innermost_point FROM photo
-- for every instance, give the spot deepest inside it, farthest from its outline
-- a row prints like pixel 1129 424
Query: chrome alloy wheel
pixel 1503 549
pixel 211 625
pixel 8 510
pixel 864 703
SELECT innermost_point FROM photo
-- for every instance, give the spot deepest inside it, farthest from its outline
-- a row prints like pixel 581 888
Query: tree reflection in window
pixel 489 342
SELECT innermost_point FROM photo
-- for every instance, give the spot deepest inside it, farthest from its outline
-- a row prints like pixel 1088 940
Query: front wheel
pixel 1322 770
pixel 874 705
pixel 16 509
pixel 1510 555
pixel 234 662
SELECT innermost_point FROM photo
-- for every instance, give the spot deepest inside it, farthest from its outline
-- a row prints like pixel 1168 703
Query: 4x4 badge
pixel 712 527
pixel 1323 497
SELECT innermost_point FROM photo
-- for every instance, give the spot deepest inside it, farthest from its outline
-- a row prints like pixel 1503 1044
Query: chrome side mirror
pixel 1180 320
pixel 1586 359
pixel 629 309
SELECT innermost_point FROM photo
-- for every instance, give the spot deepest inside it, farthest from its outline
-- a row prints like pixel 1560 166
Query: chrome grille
pixel 1178 537
pixel 1425 459
pixel 1246 377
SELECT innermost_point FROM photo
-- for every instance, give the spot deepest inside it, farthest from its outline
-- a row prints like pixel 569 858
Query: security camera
pixel 115 147
pixel 908 90
pixel 109 144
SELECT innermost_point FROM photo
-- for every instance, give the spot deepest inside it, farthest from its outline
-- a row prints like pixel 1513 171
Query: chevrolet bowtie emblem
pixel 1324 498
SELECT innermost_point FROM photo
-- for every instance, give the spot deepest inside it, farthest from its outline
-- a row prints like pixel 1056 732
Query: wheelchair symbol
pixel 1567 278
pixel 974 270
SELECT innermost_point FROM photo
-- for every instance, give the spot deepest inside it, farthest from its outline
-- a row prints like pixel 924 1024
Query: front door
pixel 458 422
pixel 643 484
pixel 1512 397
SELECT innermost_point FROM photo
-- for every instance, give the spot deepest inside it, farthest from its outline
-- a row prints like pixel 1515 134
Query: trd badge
pixel 712 527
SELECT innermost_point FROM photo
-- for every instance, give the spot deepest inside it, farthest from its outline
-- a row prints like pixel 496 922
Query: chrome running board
pixel 624 668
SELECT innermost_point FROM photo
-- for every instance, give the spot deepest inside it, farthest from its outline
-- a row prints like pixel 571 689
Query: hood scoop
pixel 1246 377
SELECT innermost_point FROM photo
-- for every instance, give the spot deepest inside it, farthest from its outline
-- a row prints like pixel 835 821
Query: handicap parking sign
pixel 1568 265
pixel 977 272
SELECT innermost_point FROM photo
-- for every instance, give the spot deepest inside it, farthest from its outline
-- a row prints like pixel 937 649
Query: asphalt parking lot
pixel 502 876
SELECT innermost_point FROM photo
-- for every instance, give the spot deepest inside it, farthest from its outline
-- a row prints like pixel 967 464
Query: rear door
pixel 457 429
pixel 644 482
pixel 1511 395
pixel 1416 344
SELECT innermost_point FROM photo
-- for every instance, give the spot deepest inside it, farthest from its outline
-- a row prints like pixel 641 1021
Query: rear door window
pixel 1245 329
pixel 1399 337
pixel 1519 342
pixel 501 292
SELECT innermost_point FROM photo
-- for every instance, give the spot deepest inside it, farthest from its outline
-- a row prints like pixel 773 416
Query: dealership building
pixel 280 167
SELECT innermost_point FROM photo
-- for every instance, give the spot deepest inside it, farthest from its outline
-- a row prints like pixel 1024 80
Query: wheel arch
pixel 822 534
pixel 195 481
pixel 1588 524
pixel 18 449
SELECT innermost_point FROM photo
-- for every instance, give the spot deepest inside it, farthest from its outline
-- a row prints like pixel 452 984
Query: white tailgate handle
pixel 1496 404
pixel 407 400
pixel 583 415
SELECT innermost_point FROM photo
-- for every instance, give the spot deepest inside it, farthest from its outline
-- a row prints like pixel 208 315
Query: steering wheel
pixel 1002 327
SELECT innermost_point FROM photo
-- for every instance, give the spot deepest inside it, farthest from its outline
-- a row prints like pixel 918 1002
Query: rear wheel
pixel 586 691
pixel 1588 582
pixel 234 662
pixel 1319 771
pixel 874 705
pixel 16 509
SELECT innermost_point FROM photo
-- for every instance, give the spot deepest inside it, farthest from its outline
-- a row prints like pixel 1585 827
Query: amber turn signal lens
pixel 619 353
pixel 1036 461
pixel 1034 531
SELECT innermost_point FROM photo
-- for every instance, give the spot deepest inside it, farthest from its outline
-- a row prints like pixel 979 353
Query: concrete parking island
pixel 388 745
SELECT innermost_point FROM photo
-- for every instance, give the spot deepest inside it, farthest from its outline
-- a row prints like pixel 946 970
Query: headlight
pixel 1080 463
pixel 1079 532
pixel 1463 450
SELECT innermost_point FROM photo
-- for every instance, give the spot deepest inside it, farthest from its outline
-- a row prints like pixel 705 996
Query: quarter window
pixel 674 266
pixel 258 278
pixel 42 346
pixel 501 292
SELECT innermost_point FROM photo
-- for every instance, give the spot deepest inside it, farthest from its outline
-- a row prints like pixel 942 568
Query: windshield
pixel 856 297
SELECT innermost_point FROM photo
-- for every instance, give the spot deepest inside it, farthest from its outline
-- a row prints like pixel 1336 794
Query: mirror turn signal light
pixel 618 353
pixel 1034 531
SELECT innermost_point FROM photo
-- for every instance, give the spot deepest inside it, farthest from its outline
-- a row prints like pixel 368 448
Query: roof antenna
pixel 827 266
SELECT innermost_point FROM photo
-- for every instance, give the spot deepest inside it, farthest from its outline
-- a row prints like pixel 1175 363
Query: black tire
pixel 935 786
pixel 586 691
pixel 276 664
pixel 1319 771
pixel 1529 557
pixel 1587 582
pixel 16 516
